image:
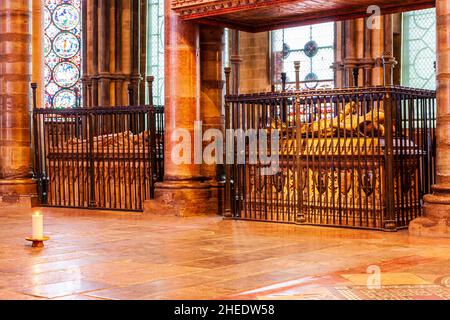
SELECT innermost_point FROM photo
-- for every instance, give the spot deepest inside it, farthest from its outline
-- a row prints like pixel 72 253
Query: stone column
pixel 84 54
pixel 118 53
pixel 143 51
pixel 338 55
pixel 235 60
pixel 184 191
pixel 367 56
pixel 211 102
pixel 377 54
pixel 135 45
pixel 104 74
pixel 109 50
pixel 388 54
pixel 350 60
pixel 38 50
pixel 436 219
pixel 95 51
pixel 15 76
pixel 212 82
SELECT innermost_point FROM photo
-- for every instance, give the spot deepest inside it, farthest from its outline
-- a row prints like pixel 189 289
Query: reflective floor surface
pixel 109 255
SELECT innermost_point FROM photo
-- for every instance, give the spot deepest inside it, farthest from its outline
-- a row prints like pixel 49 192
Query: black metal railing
pixel 108 158
pixel 159 134
pixel 353 157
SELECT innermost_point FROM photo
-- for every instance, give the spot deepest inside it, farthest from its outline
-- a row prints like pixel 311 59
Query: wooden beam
pixel 283 17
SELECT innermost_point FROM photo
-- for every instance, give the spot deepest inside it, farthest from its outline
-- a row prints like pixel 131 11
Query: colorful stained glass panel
pixel 47 45
pixel 52 88
pixel 66 74
pixel 47 74
pixel 62 51
pixel 66 45
pixel 47 18
pixel 66 17
pixel 64 99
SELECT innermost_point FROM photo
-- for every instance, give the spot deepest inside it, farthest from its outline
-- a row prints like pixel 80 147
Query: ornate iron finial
pixel 150 80
pixel 227 71
pixel 130 94
pixel 355 76
pixel 283 81
pixel 77 92
pixel 297 74
pixel 34 88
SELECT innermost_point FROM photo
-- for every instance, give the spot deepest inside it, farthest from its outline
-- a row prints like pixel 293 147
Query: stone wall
pixel 255 67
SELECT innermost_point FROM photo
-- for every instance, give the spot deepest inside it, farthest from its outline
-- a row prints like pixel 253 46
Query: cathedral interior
pixel 224 149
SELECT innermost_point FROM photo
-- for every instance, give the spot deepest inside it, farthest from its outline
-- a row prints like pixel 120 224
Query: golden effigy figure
pixel 348 122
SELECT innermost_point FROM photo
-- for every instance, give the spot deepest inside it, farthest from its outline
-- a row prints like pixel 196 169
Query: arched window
pixel 419 49
pixel 155 48
pixel 313 46
pixel 62 53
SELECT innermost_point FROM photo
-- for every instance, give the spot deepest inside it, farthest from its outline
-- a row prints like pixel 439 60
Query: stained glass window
pixel 155 48
pixel 313 46
pixel 419 49
pixel 62 52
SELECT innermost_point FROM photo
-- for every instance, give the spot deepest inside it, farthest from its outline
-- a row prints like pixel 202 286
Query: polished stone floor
pixel 107 255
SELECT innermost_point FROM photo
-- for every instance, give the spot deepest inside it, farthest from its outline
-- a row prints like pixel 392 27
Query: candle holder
pixel 37 243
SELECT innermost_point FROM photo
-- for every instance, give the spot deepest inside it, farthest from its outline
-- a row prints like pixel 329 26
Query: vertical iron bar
pixel 390 223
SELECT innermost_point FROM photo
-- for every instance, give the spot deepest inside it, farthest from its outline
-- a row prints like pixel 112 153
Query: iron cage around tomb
pixel 353 157
pixel 100 157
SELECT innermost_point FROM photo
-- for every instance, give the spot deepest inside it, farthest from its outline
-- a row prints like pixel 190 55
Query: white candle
pixel 38 226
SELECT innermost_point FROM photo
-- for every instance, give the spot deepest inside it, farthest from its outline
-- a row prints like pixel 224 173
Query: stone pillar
pixel 377 54
pixel 143 51
pixel 338 54
pixel 184 191
pixel 109 51
pixel 388 54
pixel 104 74
pixel 15 76
pixel 84 54
pixel 235 60
pixel 436 219
pixel 359 46
pixel 135 45
pixel 367 56
pixel 118 53
pixel 38 50
pixel 182 88
pixel 350 60
pixel 212 82
pixel 211 102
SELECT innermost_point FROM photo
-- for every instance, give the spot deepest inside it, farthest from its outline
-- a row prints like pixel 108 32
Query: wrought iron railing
pixel 106 158
pixel 353 157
